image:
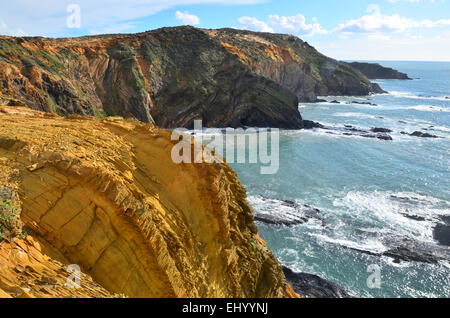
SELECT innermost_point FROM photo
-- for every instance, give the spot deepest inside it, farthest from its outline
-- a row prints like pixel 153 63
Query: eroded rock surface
pixel 105 195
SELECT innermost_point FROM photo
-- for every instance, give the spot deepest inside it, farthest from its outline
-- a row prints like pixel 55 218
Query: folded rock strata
pixel 105 195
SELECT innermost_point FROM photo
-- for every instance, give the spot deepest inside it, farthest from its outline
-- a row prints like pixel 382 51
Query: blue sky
pixel 343 29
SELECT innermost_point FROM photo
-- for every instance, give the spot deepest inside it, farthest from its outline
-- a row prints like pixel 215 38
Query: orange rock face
pixel 106 196
pixel 27 272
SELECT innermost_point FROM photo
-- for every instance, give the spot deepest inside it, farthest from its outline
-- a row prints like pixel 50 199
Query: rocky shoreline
pixel 376 132
pixel 399 249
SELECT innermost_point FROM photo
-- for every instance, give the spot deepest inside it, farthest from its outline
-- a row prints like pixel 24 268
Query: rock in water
pixel 423 135
pixel 403 253
pixel 441 232
pixel 313 286
pixel 309 124
pixel 380 130
pixel 349 130
pixel 289 213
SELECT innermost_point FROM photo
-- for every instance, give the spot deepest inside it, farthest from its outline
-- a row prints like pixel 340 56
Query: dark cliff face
pixel 376 71
pixel 204 81
pixel 172 76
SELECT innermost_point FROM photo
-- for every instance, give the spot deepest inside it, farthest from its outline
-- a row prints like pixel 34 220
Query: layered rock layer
pixel 105 195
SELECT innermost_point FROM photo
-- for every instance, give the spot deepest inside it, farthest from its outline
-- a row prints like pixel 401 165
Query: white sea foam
pixel 370 245
pixel 270 206
pixel 358 115
pixel 429 108
pixel 396 211
pixel 410 95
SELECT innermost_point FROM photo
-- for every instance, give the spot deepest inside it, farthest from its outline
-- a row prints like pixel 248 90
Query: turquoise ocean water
pixel 357 182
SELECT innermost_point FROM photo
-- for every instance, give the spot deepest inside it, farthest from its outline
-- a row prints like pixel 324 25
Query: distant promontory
pixel 377 71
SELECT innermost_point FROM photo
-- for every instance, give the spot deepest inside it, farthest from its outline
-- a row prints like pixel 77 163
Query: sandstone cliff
pixel 172 76
pixel 376 71
pixel 104 194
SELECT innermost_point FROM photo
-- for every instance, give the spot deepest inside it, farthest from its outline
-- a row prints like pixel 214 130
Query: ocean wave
pixel 410 95
pixel 358 115
pixel 429 108
pixel 282 212
pixel 408 214
pixel 370 245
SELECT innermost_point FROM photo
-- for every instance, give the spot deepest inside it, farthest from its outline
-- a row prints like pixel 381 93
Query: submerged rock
pixel 380 130
pixel 420 134
pixel 349 130
pixel 362 103
pixel 308 124
pixel 312 286
pixel 403 253
pixel 384 137
pixel 402 249
pixel 423 135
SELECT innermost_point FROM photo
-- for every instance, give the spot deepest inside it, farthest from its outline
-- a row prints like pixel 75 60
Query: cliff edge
pixel 104 194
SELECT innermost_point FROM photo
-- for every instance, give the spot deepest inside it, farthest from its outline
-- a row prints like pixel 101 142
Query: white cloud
pixel 376 22
pixel 48 17
pixel 296 25
pixel 253 24
pixel 5 30
pixel 283 24
pixel 187 18
pixel 425 49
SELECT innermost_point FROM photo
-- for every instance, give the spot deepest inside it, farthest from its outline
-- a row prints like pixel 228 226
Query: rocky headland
pixel 376 71
pixel 172 76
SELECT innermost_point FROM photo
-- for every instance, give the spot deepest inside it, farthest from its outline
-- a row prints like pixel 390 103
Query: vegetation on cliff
pixel 294 64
